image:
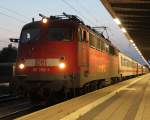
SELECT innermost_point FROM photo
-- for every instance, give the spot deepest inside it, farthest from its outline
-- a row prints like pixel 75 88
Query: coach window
pixel 126 62
pixel 130 64
pixel 121 60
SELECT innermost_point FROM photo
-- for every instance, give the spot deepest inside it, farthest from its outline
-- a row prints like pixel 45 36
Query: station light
pixel 140 53
pixel 135 47
pixel 117 21
pixel 133 44
pixel 123 30
pixel 131 41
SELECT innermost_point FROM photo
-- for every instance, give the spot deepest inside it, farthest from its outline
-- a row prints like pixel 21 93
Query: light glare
pixel 21 66
pixel 124 30
pixel 133 44
pixel 62 65
pixel 131 41
pixel 117 21
pixel 44 20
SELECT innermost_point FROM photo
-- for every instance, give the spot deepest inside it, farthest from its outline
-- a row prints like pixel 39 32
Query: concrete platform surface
pixel 127 100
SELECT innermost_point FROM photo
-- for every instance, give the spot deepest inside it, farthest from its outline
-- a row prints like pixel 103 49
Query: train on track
pixel 62 55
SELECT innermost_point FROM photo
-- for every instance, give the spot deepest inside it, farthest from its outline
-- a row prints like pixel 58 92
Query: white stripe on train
pixel 41 62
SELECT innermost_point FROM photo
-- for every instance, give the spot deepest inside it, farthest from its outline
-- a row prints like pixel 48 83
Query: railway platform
pixel 127 100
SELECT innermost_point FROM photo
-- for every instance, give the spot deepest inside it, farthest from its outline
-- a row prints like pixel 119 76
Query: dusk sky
pixel 16 13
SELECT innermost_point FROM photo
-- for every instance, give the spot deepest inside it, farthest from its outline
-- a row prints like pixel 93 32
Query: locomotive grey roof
pixel 134 16
pixel 69 20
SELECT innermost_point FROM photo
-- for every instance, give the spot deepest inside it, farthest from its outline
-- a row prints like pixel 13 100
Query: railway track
pixel 7 97
pixel 14 110
pixel 12 107
pixel 11 110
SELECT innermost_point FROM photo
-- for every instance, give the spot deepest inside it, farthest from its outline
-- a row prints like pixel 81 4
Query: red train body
pixel 65 55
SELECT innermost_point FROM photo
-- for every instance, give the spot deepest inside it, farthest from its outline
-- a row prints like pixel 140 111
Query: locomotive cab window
pixel 29 35
pixel 59 34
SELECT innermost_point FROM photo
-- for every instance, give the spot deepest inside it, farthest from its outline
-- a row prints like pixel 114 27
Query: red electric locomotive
pixel 62 55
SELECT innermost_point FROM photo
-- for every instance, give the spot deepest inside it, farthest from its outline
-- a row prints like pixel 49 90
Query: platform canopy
pixel 135 18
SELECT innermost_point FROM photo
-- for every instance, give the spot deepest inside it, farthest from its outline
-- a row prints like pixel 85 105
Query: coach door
pixel 83 52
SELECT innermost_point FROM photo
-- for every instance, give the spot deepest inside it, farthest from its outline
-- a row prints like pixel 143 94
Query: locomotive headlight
pixel 21 66
pixel 44 20
pixel 62 65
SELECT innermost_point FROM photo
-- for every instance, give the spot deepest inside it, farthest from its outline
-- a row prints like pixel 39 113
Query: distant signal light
pixel 15 40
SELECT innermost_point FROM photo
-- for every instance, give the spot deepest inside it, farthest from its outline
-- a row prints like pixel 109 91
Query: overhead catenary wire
pixel 12 17
pixel 3 43
pixel 87 11
pixel 15 12
pixel 6 29
pixel 77 11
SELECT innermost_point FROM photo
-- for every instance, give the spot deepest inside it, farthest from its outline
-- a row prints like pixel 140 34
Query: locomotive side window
pixel 80 34
pixel 30 35
pixel 84 35
pixel 102 46
pixel 64 34
pixel 92 40
pixel 112 50
pixel 106 47
pixel 98 44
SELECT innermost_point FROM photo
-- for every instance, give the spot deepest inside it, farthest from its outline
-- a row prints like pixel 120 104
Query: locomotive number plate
pixel 40 62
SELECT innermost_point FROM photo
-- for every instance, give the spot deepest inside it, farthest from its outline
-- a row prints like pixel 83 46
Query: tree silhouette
pixel 8 54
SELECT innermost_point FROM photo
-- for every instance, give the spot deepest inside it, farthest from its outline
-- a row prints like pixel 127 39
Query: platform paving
pixel 128 100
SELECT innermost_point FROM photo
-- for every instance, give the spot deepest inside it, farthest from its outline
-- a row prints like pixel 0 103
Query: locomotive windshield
pixel 59 34
pixel 30 35
pixel 54 34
